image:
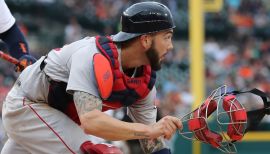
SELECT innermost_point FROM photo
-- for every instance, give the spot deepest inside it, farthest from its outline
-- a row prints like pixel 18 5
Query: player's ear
pixel 146 41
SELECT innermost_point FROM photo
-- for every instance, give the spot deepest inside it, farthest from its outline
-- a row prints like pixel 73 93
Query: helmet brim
pixel 123 36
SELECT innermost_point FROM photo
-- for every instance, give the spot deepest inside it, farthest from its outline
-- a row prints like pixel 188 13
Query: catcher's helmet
pixel 142 18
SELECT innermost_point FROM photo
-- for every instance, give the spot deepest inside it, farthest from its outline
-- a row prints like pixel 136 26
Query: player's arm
pixel 97 123
pixel 17 47
pixel 11 34
pixel 15 41
pixel 13 37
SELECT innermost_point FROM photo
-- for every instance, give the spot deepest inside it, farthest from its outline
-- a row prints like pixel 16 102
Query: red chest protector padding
pixel 126 90
pixel 236 113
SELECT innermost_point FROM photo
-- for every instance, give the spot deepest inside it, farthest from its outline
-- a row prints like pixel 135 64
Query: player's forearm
pixel 97 123
pixel 100 124
pixel 16 42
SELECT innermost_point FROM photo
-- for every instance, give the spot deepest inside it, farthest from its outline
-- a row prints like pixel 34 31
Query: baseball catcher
pixel 57 101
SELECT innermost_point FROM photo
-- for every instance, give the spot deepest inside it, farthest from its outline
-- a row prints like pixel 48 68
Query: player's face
pixel 161 45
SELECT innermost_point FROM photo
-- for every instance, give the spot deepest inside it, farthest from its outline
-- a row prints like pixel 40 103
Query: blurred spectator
pixel 73 31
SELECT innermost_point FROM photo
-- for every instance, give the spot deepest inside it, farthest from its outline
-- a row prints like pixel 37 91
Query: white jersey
pixel 73 64
pixel 6 18
pixel 28 118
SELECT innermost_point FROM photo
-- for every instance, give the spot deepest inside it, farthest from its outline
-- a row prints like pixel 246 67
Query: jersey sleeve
pixel 81 76
pixel 144 111
pixel 6 18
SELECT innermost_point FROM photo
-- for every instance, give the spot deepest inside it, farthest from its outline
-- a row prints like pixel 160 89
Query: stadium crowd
pixel 241 60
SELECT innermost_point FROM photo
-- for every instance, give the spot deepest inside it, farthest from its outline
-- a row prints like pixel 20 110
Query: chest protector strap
pixel 126 90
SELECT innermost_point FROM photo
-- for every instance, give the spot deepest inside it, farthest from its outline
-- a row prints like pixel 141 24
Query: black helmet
pixel 142 18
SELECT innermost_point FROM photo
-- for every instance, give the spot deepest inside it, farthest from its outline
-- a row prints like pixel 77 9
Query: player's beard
pixel 153 57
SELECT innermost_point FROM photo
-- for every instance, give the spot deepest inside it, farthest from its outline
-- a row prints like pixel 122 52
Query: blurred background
pixel 236 51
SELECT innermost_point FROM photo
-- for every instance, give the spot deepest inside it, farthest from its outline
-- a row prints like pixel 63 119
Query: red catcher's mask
pixel 227 107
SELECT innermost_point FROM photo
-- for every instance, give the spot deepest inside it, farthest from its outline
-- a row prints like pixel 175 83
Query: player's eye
pixel 168 37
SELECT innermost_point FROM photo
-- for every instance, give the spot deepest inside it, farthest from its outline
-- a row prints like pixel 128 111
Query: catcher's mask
pixel 233 121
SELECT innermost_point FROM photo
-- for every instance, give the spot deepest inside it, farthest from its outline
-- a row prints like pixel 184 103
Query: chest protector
pixel 125 90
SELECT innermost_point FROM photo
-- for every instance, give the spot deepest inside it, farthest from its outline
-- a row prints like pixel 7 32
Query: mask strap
pixel 255 116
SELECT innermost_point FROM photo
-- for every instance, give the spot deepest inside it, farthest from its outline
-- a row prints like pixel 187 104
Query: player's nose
pixel 170 46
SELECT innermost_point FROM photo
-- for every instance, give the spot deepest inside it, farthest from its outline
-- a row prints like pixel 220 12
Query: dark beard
pixel 153 57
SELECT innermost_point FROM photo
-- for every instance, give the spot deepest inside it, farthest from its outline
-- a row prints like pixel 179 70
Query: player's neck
pixel 133 56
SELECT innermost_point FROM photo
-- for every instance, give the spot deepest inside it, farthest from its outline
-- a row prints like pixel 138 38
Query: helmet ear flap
pixel 237 115
pixel 198 124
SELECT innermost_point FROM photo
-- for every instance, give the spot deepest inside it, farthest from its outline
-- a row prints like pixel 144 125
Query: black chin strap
pixel 264 97
pixel 255 116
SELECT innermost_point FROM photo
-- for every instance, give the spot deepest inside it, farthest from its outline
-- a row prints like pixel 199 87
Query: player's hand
pixel 24 61
pixel 165 127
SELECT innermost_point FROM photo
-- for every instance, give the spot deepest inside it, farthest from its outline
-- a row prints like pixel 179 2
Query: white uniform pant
pixel 38 128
